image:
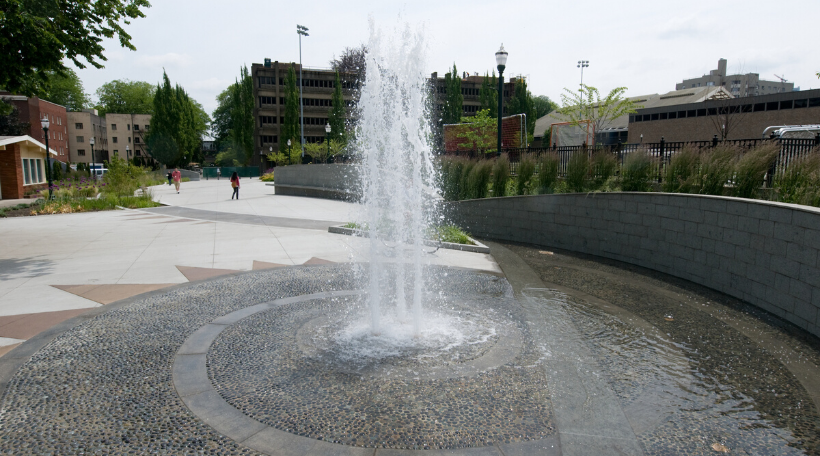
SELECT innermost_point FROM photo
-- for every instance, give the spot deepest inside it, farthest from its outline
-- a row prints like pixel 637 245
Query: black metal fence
pixel 791 149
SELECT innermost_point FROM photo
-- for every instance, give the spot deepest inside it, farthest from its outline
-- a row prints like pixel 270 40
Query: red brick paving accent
pixel 26 326
pixel 315 260
pixel 257 265
pixel 193 274
pixel 106 294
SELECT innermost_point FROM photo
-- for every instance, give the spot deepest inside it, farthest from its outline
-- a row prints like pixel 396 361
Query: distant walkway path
pixel 246 219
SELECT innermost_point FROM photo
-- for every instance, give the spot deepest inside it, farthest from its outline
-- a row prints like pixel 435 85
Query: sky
pixel 646 46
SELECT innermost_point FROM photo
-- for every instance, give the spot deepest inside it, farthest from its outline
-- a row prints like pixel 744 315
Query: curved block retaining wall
pixel 767 254
pixel 334 181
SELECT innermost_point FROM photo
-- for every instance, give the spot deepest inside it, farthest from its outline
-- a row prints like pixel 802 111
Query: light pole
pixel 582 64
pixel 127 152
pixel 93 171
pixel 44 123
pixel 327 139
pixel 302 31
pixel 289 152
pixel 501 61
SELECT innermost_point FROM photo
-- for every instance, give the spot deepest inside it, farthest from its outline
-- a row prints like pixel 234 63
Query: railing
pixel 791 149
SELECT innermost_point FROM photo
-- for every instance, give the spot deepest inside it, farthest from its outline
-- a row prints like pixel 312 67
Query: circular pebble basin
pixel 597 355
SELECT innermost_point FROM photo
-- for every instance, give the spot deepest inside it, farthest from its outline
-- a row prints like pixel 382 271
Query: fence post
pixel 660 162
pixel 714 141
pixel 817 139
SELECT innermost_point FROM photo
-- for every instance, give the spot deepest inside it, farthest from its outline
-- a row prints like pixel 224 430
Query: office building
pixel 739 85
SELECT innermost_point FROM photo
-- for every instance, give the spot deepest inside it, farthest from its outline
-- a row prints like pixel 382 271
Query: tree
pixel 587 104
pixel 126 97
pixel 481 133
pixel 290 126
pixel 321 153
pixel 522 103
pixel 488 95
pixel 65 89
pixel 338 114
pixel 352 60
pixel 36 37
pixel 233 118
pixel 10 124
pixel 177 125
pixel 452 110
pixel 543 106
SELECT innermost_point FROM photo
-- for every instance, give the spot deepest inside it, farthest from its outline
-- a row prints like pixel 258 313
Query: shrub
pixel 799 182
pixel 56 171
pixel 463 188
pixel 453 184
pixel 450 233
pixel 680 173
pixel 267 177
pixel 479 179
pixel 603 167
pixel 716 167
pixel 636 175
pixel 526 169
pixel 123 178
pixel 501 175
pixel 577 171
pixel 751 169
pixel 547 172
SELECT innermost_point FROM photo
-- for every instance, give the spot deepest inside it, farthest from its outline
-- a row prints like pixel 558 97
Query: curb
pixel 477 248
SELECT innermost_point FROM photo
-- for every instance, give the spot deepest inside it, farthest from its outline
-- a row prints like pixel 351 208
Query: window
pixel 759 107
pixel 113 126
pixel 146 127
pixel 772 106
pixel 701 112
pixel 32 171
pixel 136 127
pixel 263 120
pixel 78 126
pixel 654 117
pixel 800 103
pixel 129 139
pixel 80 139
pixel 664 116
pixel 691 113
pixel 634 119
pixel 646 117
pixel 683 86
pixel 681 114
pixel 81 152
pixel 673 115
pixel 128 127
pixel 786 104
pixel 814 102
pixel 137 140
pixel 267 139
pixel 712 112
pixel 114 140
pixel 267 101
pixel 116 152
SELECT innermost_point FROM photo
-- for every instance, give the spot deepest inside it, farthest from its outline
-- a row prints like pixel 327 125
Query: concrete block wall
pixel 767 254
pixel 336 181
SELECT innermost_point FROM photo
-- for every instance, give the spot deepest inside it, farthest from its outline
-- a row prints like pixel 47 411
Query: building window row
pixel 81 152
pixel 702 112
pixel 266 101
pixel 267 139
pixel 323 102
pixel 263 120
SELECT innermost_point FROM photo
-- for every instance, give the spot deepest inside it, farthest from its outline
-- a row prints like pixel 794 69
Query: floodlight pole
pixel 301 30
pixel 582 64
pixel 501 60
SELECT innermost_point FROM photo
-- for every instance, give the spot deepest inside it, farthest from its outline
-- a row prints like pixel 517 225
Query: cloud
pixel 170 59
pixel 210 84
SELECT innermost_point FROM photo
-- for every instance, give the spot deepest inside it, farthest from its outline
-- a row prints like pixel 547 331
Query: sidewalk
pixel 56 266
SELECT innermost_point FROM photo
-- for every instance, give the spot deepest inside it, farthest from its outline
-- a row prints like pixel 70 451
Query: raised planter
pixel 333 181
pixel 476 248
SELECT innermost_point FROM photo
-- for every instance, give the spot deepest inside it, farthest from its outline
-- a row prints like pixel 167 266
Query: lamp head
pixel 302 30
pixel 327 128
pixel 91 141
pixel 501 58
pixel 288 142
pixel 44 122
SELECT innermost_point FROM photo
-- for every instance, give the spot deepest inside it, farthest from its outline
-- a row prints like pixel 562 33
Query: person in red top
pixel 235 185
pixel 177 176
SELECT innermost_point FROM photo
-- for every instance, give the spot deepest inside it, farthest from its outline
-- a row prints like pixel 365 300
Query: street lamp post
pixel 302 31
pixel 582 64
pixel 501 61
pixel 327 140
pixel 127 152
pixel 44 123
pixel 289 152
pixel 93 171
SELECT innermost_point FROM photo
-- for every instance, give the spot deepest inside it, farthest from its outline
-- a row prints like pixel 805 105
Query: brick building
pixel 32 110
pixel 22 166
pixel 82 126
pixel 744 118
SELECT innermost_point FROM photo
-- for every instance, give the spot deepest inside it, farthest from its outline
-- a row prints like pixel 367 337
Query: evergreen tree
pixel 336 118
pixel 488 95
pixel 57 171
pixel 522 103
pixel 451 113
pixel 177 125
pixel 290 127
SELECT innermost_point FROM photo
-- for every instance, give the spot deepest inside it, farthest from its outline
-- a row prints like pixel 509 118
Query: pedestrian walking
pixel 170 177
pixel 177 176
pixel 218 173
pixel 235 185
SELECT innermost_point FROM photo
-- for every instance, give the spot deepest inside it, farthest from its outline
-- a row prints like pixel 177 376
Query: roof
pixel 6 140
pixel 675 97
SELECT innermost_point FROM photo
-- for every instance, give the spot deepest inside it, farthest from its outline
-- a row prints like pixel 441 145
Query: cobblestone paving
pixel 261 367
pixel 701 382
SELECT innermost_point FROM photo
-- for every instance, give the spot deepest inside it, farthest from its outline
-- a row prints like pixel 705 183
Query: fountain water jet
pixel 398 174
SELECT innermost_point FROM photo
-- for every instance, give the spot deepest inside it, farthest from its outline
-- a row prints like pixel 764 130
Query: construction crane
pixel 783 82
